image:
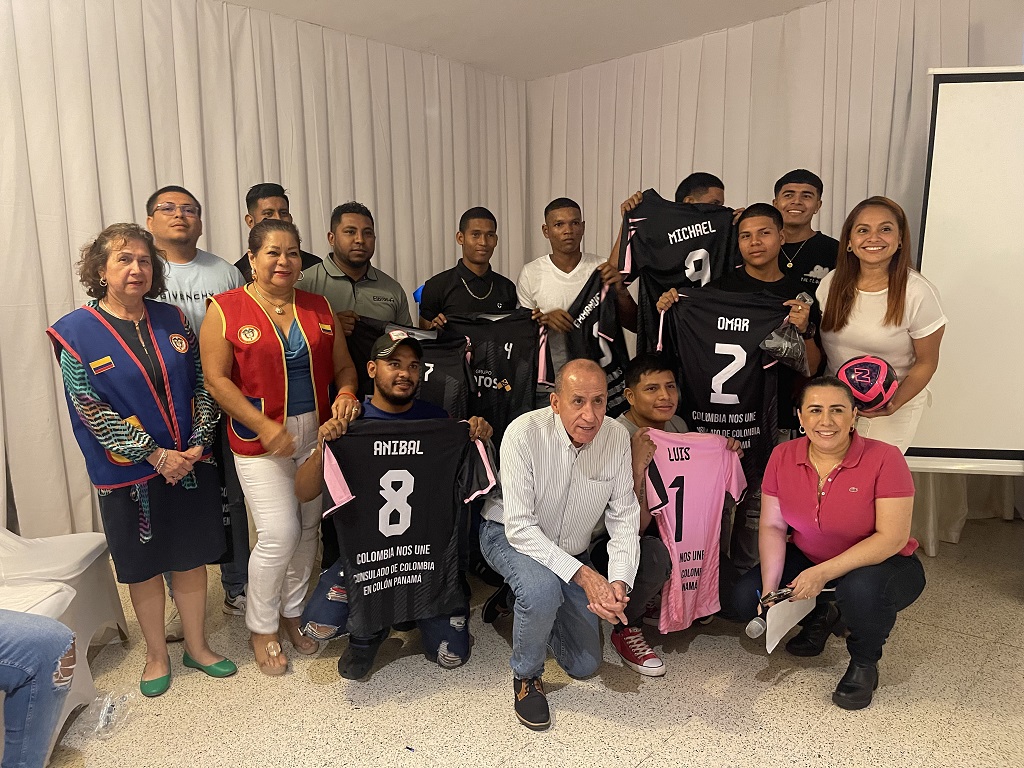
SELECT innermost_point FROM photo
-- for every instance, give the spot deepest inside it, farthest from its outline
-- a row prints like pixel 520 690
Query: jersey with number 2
pixel 397 490
pixel 686 485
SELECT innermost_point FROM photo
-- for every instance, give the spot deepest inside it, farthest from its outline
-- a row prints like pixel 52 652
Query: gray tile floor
pixel 951 694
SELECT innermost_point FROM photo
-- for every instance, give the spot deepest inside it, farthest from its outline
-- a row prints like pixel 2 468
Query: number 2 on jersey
pixel 739 356
pixel 397 501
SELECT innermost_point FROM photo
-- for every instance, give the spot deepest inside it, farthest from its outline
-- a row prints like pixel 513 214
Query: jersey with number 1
pixel 671 245
pixel 686 485
pixel 397 490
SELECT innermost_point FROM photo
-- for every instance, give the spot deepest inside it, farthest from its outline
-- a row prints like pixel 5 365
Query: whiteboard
pixel 972 249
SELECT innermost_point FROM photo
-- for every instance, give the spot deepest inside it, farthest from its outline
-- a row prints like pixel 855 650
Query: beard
pixel 396 399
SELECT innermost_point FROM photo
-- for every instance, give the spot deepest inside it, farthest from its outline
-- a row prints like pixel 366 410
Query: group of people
pixel 197 387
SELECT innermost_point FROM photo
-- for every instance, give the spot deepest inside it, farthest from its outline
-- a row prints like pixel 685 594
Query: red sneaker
pixel 630 644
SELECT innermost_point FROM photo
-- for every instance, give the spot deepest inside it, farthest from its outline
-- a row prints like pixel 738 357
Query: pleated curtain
pixel 108 99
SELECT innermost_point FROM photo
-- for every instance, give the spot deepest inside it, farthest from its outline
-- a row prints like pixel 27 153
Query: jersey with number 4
pixel 397 490
pixel 506 351
pixel 727 383
pixel 671 245
pixel 686 485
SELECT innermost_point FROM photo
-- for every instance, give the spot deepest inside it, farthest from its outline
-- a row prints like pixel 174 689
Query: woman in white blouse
pixel 874 303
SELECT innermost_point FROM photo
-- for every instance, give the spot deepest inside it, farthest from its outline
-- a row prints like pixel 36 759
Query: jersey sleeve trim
pixel 486 463
pixel 337 486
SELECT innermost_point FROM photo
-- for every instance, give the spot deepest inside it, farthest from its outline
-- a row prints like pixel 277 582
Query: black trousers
pixel 868 598
pixel 652 573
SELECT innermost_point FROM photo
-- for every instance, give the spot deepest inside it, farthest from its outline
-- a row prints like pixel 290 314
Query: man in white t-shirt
pixel 549 285
pixel 174 217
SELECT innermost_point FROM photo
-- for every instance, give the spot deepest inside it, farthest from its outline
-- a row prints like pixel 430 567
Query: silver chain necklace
pixel 478 298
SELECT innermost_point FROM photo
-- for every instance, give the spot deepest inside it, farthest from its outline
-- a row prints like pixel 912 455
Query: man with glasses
pixel 193 275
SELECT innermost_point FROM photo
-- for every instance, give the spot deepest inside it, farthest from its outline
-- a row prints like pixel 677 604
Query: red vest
pixel 259 367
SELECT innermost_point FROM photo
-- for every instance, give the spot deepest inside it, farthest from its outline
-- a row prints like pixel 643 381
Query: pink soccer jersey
pixel 686 485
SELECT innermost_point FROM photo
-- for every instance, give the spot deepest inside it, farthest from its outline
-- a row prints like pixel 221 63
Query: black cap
pixel 389 342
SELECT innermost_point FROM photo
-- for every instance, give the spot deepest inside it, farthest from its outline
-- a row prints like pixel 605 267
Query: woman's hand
pixel 345 407
pixel 173 465
pixel 276 439
pixel 887 410
pixel 809 583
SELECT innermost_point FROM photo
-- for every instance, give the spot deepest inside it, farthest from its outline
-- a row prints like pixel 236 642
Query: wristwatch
pixel 809 333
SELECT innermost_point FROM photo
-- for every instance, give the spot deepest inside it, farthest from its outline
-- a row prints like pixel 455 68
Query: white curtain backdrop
pixel 840 87
pixel 106 100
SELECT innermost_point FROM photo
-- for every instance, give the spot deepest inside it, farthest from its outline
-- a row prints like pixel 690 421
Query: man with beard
pixel 395 367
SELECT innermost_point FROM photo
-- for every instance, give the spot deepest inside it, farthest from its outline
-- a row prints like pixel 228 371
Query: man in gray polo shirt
pixel 353 287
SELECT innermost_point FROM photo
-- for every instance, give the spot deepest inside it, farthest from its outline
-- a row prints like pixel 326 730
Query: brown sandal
pixel 272 650
pixel 304 645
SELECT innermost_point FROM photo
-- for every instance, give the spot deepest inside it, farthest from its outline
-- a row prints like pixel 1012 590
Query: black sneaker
pixel 531 704
pixel 497 605
pixel 357 660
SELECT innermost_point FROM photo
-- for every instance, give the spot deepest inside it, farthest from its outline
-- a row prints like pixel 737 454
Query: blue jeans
pixel 548 611
pixel 868 598
pixel 234 576
pixel 31 677
pixel 445 638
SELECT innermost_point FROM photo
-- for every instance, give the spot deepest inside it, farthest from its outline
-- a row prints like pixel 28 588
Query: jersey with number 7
pixel 686 485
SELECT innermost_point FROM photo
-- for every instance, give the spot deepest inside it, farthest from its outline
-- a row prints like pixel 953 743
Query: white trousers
pixel 286 531
pixel 900 428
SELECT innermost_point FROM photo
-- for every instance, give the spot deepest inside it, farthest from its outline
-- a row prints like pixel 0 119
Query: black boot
pixel 357 660
pixel 858 684
pixel 817 626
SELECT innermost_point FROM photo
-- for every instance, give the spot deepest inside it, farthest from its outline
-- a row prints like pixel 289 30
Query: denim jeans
pixel 548 611
pixel 868 597
pixel 445 638
pixel 234 576
pixel 31 648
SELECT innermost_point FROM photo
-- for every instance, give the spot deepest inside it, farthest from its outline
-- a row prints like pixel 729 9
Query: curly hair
pixel 96 252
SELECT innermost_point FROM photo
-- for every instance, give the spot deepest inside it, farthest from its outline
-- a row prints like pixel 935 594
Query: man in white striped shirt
pixel 563 469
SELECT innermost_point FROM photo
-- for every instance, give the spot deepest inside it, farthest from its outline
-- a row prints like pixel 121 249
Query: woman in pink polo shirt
pixel 848 501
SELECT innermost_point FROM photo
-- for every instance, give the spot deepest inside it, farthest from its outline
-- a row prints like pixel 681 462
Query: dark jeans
pixel 868 598
pixel 234 575
pixel 652 573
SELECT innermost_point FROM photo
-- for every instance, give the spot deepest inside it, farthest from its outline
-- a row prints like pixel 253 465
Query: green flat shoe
pixel 157 687
pixel 222 668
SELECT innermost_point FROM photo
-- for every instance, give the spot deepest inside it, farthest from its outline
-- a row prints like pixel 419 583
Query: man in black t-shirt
pixel 471 285
pixel 807 255
pixel 268 201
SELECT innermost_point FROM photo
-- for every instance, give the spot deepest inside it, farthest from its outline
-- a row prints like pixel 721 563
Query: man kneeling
pixel 395 369
pixel 563 469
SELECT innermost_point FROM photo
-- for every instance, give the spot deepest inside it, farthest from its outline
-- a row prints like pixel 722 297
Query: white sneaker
pixel 234 606
pixel 173 632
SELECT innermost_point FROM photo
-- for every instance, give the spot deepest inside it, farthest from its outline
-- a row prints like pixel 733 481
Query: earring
pixel 300 274
pixel 254 276
pixel 103 282
pixel 849 248
pixel 801 431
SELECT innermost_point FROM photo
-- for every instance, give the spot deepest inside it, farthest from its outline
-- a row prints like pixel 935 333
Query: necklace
pixel 823 477
pixel 276 306
pixel 478 298
pixel 791 259
pixel 105 305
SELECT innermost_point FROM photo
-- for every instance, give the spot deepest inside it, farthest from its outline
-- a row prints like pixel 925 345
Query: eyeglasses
pixel 188 210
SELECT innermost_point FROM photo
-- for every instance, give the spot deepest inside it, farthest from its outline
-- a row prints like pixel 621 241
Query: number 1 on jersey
pixel 680 483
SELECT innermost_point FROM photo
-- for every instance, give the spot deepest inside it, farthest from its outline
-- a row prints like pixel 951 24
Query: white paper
pixel 783 616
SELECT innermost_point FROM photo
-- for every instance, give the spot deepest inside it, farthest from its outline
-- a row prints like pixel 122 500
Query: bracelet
pixel 346 394
pixel 160 463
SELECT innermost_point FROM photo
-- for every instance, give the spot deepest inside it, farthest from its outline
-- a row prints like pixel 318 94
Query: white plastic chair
pixel 80 562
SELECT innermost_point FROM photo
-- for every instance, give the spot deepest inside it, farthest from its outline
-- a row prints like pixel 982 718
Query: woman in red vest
pixel 270 353
pixel 145 425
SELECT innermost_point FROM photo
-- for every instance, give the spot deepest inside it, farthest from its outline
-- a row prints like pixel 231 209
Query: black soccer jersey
pixel 725 387
pixel 397 491
pixel 445 378
pixel 671 245
pixel 505 352
pixel 597 336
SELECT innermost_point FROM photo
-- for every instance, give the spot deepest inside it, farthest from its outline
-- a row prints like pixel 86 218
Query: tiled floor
pixel 952 694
